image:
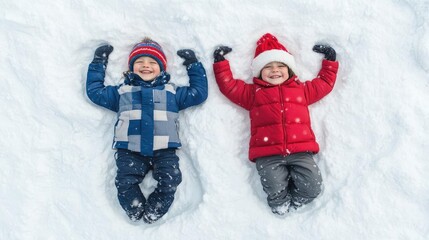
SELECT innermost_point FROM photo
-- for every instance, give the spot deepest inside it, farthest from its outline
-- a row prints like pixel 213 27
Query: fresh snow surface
pixel 57 166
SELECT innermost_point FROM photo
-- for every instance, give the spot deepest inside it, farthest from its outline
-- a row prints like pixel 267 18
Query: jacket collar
pixel 135 80
pixel 262 83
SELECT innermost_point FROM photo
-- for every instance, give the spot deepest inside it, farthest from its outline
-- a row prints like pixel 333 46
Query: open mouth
pixel 145 72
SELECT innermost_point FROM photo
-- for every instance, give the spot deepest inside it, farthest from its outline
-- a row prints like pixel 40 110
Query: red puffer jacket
pixel 279 116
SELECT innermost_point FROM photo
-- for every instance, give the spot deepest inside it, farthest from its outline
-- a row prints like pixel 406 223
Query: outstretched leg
pixel 166 171
pixel 131 171
pixel 306 179
pixel 275 179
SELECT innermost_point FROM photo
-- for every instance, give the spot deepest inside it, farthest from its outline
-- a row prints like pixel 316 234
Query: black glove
pixel 188 55
pixel 102 54
pixel 329 52
pixel 220 52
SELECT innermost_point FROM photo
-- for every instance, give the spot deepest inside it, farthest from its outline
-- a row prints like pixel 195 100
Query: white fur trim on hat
pixel 272 56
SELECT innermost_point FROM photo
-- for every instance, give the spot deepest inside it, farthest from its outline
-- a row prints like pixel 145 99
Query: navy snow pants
pixel 132 168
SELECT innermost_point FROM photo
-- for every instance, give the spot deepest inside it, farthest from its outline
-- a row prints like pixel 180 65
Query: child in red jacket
pixel 282 142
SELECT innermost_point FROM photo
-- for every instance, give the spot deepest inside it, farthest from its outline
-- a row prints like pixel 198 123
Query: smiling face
pixel 147 68
pixel 275 73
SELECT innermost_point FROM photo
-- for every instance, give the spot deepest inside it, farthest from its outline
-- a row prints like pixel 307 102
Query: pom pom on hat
pixel 149 48
pixel 268 50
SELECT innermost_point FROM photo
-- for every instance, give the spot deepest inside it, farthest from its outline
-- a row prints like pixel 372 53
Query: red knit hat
pixel 149 48
pixel 268 50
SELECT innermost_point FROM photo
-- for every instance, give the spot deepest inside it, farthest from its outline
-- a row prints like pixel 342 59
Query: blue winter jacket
pixel 147 111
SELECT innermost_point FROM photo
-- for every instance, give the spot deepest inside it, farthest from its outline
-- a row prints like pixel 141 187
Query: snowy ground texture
pixel 57 168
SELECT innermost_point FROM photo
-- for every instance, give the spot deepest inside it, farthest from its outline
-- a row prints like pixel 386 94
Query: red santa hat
pixel 268 50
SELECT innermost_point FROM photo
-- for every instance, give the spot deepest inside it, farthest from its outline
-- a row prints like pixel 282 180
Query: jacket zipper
pixel 285 151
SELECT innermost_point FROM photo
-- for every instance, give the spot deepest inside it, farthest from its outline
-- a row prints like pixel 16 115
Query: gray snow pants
pixel 290 181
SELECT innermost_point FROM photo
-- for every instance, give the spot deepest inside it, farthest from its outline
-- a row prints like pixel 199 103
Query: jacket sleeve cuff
pixel 221 66
pixel 331 65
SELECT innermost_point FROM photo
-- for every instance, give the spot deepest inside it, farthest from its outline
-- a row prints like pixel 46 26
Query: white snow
pixel 57 167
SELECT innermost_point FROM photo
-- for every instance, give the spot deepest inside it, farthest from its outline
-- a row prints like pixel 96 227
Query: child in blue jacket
pixel 146 134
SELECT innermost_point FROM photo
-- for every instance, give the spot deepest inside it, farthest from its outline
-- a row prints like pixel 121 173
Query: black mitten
pixel 102 54
pixel 188 55
pixel 327 50
pixel 220 52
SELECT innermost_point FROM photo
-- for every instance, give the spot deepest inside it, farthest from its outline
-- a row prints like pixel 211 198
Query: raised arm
pixel 197 91
pixel 237 91
pixel 325 80
pixel 105 96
